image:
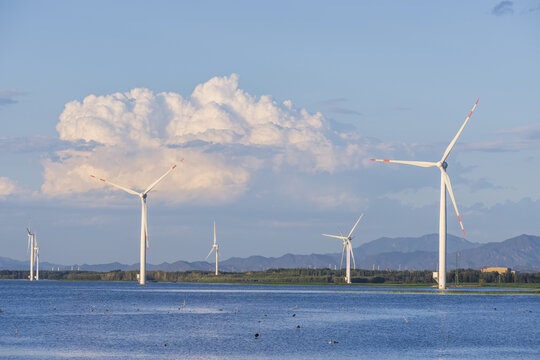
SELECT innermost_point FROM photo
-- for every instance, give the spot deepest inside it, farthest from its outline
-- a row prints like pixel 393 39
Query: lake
pixel 121 320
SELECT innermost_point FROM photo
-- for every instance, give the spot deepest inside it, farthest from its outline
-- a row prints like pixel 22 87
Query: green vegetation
pixel 467 277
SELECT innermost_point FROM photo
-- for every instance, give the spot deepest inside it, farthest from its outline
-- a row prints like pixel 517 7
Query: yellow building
pixel 501 270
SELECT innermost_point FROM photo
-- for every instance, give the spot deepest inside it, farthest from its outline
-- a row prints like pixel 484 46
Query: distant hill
pixel 286 261
pixel 420 253
pixel 428 242
pixel 108 267
pixel 12 264
pixel 180 266
pixel 520 253
pixel 416 260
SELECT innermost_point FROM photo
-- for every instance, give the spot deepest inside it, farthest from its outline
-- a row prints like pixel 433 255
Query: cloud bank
pixel 224 133
pixel 7 97
pixel 503 8
pixel 510 140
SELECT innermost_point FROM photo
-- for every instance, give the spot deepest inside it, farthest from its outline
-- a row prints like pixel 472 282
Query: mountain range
pixel 520 253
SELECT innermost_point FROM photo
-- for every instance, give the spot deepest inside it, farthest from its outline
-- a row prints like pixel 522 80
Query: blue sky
pixel 275 106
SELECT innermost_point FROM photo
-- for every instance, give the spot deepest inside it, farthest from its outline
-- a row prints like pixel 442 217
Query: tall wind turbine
pixel 347 246
pixel 214 247
pixel 144 225
pixel 31 248
pixel 440 276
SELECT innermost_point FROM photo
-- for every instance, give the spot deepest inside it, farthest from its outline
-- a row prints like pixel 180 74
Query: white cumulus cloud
pixel 8 186
pixel 224 134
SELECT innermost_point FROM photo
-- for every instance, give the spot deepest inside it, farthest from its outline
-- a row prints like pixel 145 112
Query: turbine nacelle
pixel 442 164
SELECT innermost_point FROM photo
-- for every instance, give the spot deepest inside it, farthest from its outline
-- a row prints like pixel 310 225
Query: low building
pixel 499 269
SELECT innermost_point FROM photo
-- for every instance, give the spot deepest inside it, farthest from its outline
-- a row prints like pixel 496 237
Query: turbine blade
pixel 342 253
pixel 214 233
pixel 415 163
pixel 212 249
pixel 128 190
pixel 453 142
pixel 352 255
pixel 449 187
pixel 335 236
pixel 161 178
pixel 354 227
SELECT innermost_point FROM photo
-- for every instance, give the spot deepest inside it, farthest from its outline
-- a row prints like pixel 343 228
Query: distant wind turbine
pixel 36 250
pixel 347 246
pixel 440 276
pixel 215 247
pixel 144 224
pixel 31 249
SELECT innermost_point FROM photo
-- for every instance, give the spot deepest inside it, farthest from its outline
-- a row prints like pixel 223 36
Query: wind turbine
pixel 347 246
pixel 36 249
pixel 144 224
pixel 214 247
pixel 440 276
pixel 31 248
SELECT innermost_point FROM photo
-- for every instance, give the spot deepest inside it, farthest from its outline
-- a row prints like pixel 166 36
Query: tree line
pixel 289 276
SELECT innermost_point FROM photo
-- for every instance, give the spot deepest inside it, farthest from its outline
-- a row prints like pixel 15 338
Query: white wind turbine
pixel 440 276
pixel 347 246
pixel 214 247
pixel 36 250
pixel 144 224
pixel 31 249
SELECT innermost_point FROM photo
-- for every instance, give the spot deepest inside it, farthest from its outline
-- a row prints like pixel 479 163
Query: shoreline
pixel 470 279
pixel 351 288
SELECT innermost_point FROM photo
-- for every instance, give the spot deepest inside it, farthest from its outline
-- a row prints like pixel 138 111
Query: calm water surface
pixel 119 320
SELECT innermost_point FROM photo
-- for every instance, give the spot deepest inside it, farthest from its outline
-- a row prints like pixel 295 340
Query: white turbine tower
pixel 144 224
pixel 440 276
pixel 36 249
pixel 214 247
pixel 347 246
pixel 31 249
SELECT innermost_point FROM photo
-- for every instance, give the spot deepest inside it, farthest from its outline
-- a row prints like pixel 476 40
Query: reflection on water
pixel 118 320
